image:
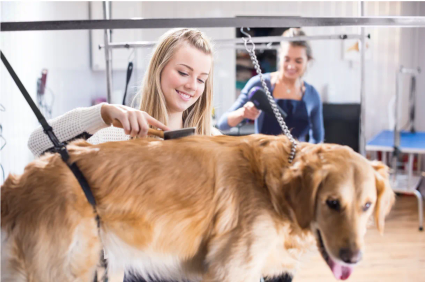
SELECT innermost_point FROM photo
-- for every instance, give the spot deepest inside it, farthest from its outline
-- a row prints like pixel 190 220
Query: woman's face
pixel 294 61
pixel 184 77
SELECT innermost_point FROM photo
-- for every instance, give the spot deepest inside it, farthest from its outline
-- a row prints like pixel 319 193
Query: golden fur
pixel 203 208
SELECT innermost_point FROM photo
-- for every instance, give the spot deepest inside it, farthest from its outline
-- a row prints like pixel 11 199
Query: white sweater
pixel 73 124
pixel 77 123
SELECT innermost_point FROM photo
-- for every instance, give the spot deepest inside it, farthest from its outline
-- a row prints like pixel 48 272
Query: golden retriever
pixel 198 208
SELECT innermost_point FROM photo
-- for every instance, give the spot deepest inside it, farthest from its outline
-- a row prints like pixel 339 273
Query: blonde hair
pixel 152 99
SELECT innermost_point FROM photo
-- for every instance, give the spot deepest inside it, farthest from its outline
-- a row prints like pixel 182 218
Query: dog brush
pixel 172 134
pixel 166 135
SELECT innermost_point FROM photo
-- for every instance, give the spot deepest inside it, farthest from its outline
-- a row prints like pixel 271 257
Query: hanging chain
pixel 272 102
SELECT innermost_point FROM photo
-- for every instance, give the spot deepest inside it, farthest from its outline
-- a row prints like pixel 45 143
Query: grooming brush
pixel 166 135
pixel 172 134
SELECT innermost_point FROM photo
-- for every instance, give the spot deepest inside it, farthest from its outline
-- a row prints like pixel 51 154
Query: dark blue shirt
pixel 304 116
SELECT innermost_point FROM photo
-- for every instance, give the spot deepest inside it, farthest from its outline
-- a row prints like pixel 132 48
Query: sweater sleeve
pixel 78 123
pixel 222 124
pixel 317 131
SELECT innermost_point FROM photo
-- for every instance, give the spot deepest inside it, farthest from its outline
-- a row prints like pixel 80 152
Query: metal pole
pixel 362 141
pixel 108 53
pixel 223 43
pixel 256 21
pixel 397 133
pixel 396 149
pixel 415 72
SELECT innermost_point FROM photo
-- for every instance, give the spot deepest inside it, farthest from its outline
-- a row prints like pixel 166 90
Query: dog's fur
pixel 198 208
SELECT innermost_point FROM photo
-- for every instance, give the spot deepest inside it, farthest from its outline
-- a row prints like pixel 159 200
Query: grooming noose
pixel 272 102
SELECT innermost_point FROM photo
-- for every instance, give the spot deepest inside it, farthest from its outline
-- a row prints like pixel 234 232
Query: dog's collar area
pixel 293 149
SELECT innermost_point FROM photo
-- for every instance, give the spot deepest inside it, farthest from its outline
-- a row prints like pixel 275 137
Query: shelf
pixel 402 184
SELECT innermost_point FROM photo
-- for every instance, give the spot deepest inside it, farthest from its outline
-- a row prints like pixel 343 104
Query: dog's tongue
pixel 341 272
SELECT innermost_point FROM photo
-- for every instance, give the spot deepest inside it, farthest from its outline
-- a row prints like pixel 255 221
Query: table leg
pixel 410 168
pixel 420 209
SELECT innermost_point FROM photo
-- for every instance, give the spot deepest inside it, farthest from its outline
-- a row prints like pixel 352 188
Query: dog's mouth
pixel 340 271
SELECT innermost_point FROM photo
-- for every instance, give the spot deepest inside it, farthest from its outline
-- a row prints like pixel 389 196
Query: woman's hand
pixel 134 122
pixel 249 111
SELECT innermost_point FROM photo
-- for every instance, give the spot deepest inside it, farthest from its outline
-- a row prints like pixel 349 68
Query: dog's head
pixel 336 191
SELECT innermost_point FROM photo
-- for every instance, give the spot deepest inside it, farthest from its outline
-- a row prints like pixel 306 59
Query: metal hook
pixel 245 33
pixel 269 45
pixel 246 40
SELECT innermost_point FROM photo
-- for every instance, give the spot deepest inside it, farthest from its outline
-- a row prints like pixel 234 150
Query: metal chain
pixel 270 97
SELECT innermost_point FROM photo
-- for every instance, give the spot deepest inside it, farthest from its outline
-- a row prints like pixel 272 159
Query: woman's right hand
pixel 249 111
pixel 133 121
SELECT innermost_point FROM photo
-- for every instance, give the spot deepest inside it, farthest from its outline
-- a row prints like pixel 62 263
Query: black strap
pixel 83 182
pixel 58 146
pixel 129 71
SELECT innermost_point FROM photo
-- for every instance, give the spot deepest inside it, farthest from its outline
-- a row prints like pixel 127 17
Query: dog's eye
pixel 367 206
pixel 334 204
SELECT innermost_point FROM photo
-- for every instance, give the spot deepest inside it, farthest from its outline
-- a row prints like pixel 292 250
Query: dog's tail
pixel 41 211
pixel 11 183
pixel 13 270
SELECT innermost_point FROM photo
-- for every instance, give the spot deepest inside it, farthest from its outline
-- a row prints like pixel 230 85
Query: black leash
pixel 58 146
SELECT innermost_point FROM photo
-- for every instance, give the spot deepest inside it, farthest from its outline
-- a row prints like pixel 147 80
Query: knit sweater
pixel 84 123
pixel 79 123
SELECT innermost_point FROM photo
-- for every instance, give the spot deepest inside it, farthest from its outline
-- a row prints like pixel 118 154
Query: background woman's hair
pixel 294 32
pixel 152 99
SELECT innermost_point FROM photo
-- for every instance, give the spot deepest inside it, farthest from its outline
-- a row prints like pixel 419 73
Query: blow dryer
pixel 261 102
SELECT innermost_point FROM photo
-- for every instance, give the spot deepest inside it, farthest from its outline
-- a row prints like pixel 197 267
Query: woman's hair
pixel 294 32
pixel 152 99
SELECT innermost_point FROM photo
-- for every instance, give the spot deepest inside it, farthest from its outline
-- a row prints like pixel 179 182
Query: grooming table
pixel 411 144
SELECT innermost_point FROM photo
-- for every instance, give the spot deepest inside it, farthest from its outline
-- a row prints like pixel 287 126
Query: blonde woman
pixel 176 93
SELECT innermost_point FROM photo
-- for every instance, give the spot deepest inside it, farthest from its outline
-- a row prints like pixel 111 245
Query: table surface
pixel 409 142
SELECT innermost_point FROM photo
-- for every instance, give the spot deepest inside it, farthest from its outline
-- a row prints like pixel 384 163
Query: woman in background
pixel 298 99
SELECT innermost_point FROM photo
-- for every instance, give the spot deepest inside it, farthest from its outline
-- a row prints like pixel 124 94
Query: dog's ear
pixel 385 195
pixel 308 174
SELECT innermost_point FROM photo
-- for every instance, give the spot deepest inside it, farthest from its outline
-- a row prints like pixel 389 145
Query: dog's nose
pixel 350 256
